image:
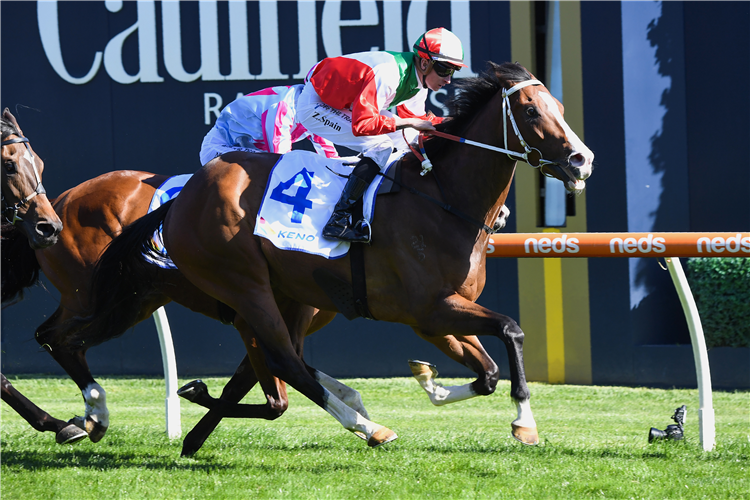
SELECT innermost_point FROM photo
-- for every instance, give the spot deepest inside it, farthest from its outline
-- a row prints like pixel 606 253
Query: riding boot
pixel 340 226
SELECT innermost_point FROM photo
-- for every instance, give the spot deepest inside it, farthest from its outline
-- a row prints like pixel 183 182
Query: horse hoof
pixel 380 437
pixel 188 450
pixel 95 430
pixel 423 369
pixel 70 434
pixel 78 421
pixel 525 435
pixel 192 390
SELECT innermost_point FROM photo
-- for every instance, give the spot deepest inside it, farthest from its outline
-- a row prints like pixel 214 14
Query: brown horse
pixel 208 232
pixel 28 212
pixel 93 213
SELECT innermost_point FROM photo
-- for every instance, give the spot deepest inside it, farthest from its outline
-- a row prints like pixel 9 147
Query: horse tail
pixel 20 269
pixel 121 283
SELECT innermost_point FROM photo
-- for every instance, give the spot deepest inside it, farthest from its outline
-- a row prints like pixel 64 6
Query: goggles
pixel 443 70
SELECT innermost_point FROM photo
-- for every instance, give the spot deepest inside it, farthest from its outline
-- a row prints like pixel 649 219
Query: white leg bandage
pixel 525 418
pixel 96 404
pixel 348 418
pixel 346 394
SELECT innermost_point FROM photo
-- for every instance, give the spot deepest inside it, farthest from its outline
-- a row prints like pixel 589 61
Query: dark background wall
pixel 83 130
pixel 697 46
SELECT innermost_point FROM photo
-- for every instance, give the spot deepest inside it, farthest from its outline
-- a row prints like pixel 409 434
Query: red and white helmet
pixel 439 44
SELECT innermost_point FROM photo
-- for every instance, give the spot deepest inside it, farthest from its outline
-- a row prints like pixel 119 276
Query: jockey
pixel 346 99
pixel 263 121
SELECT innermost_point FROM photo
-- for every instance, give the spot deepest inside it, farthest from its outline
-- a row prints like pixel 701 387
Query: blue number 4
pixel 299 201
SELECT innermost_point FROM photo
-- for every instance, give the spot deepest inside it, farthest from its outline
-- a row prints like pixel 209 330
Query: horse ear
pixel 9 116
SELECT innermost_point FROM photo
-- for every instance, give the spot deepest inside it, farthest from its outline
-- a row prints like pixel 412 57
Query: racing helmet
pixel 440 45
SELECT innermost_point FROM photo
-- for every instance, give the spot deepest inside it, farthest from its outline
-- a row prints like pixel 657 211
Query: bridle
pixel 38 190
pixel 421 155
pixel 513 155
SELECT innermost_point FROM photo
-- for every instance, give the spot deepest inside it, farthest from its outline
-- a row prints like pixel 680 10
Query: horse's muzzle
pixel 572 177
pixel 44 234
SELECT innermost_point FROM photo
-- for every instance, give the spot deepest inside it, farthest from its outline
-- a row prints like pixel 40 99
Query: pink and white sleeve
pixel 324 146
pixel 277 127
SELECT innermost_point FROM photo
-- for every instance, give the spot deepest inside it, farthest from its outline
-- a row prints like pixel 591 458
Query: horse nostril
pixel 47 230
pixel 577 160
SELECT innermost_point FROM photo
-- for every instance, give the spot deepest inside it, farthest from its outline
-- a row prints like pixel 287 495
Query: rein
pixel 39 189
pixel 513 155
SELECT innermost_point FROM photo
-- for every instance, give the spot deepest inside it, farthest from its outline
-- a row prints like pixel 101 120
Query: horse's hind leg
pixel 96 418
pixel 473 319
pixel 36 417
pixel 466 350
pixel 243 380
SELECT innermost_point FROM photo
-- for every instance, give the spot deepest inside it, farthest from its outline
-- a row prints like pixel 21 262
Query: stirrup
pixel 354 233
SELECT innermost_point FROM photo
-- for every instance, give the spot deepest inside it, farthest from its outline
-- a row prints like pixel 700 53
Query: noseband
pixel 38 190
pixel 513 155
pixel 506 111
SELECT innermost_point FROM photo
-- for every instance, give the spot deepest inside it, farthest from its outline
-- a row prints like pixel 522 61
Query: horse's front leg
pixel 457 316
pixel 36 417
pixel 465 350
pixel 96 417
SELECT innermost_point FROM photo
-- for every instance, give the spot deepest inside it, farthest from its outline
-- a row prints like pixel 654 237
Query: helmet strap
pixel 426 72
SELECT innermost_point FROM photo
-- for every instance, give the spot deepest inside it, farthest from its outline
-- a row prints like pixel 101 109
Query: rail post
pixel 630 245
pixel 172 401
pixel 706 418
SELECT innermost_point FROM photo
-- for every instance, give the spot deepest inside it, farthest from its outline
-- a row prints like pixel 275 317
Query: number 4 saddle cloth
pixel 302 190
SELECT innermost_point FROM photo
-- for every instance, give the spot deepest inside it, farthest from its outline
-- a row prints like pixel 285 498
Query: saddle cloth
pixel 302 190
pixel 299 199
pixel 156 253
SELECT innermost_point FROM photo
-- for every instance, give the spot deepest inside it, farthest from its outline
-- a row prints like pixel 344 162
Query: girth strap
pixel 357 257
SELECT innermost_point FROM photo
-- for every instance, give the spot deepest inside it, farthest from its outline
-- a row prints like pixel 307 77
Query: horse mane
pixel 8 128
pixel 473 93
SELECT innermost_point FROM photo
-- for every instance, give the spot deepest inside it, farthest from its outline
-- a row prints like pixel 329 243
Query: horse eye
pixel 531 112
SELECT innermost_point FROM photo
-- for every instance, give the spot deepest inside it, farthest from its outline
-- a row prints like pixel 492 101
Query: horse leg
pixel 244 284
pixel 242 381
pixel 273 388
pixel 477 320
pixel 36 417
pixel 96 418
pixel 245 378
pixel 466 350
pixel 285 364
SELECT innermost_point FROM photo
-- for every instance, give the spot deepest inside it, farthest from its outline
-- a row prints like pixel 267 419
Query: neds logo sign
pixel 631 245
pixel 561 244
pixel 733 244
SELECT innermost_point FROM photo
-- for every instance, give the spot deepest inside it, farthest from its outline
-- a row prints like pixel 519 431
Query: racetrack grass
pixel 593 445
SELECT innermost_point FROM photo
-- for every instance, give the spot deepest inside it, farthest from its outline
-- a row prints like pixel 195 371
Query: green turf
pixel 593 445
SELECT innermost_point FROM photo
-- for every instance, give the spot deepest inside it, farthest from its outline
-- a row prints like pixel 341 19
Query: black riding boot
pixel 340 226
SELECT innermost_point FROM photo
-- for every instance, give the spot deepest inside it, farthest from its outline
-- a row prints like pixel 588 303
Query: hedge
pixel 721 287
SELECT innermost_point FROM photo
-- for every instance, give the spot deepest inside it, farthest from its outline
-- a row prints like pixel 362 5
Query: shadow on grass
pixel 34 460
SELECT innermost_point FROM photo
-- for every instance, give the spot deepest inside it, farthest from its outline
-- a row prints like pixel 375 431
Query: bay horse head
pixel 24 201
pixel 533 123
